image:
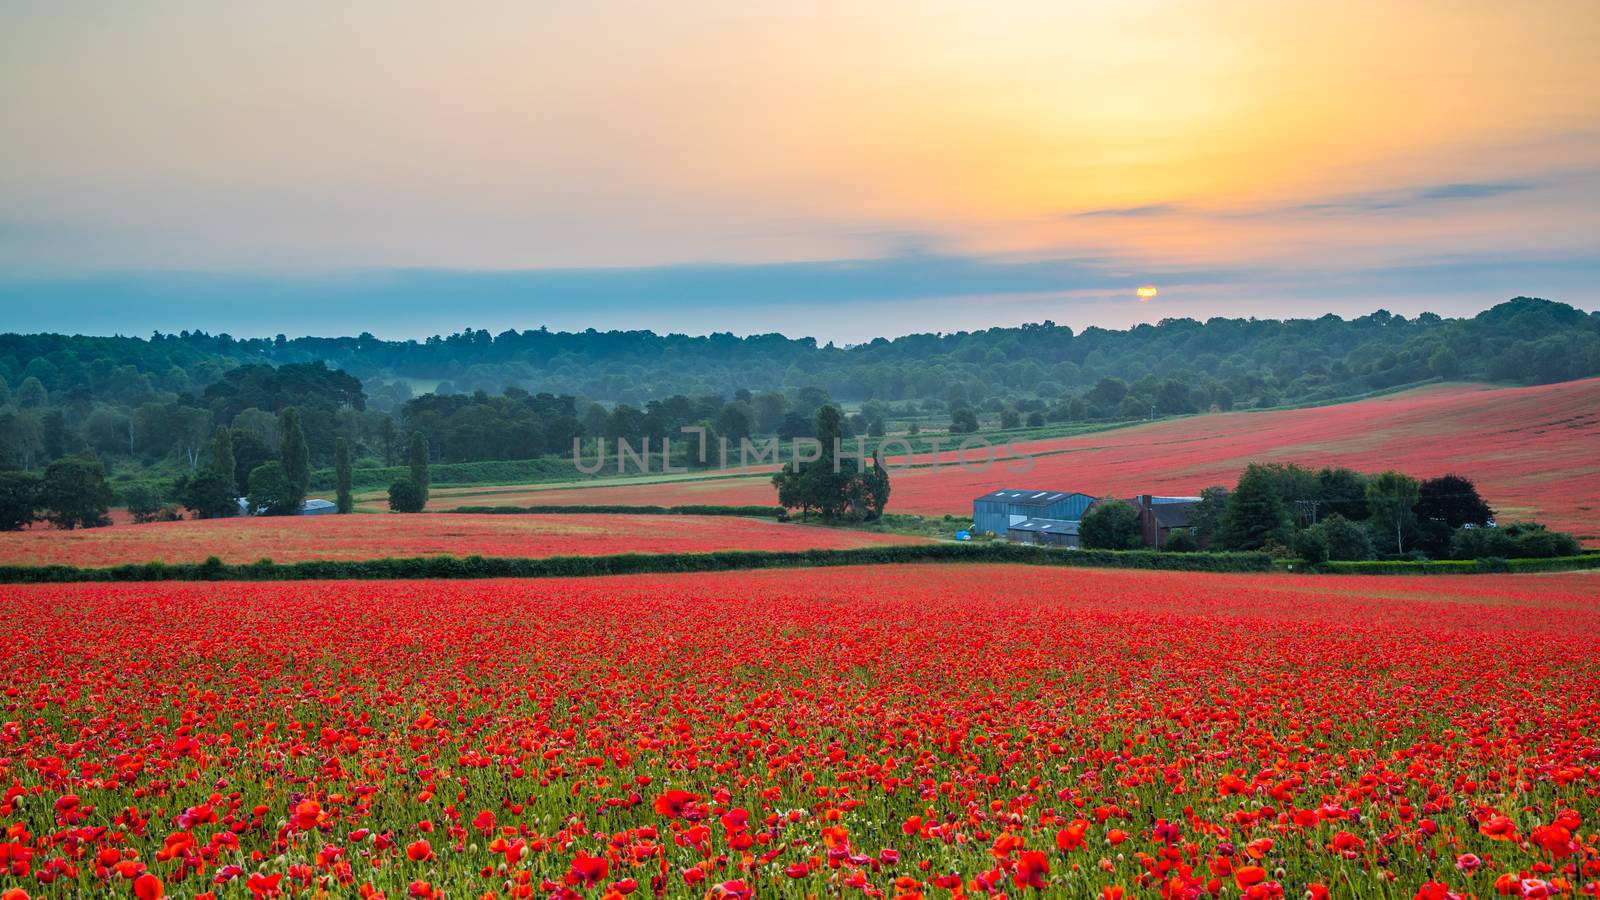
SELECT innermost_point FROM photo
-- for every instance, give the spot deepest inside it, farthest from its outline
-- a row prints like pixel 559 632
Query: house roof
pixel 317 503
pixel 1046 526
pixel 1027 497
pixel 1172 515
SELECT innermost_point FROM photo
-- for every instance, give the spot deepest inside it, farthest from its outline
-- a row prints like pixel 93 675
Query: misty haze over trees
pixel 522 394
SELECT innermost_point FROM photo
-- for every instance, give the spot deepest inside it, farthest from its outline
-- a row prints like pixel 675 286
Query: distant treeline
pixel 520 394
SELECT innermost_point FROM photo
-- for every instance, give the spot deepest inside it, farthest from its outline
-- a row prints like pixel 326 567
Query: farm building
pixel 318 507
pixel 1055 532
pixel 997 511
pixel 1158 516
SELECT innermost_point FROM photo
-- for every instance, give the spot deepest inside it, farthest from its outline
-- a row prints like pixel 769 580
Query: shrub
pixel 406 497
pixel 1311 546
pixel 1179 540
pixel 1111 525
pixel 1518 540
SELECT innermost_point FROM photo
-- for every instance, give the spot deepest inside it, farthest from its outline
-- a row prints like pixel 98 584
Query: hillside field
pixel 296 539
pixel 1533 451
pixel 936 731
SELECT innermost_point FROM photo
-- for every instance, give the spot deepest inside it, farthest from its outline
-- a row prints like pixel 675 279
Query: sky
pixel 839 169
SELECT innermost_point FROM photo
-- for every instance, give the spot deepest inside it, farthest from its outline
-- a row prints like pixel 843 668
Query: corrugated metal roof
pixel 1050 526
pixel 318 503
pixel 1026 497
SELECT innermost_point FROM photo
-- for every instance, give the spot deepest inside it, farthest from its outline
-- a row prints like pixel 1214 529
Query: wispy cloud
pixel 1130 212
pixel 1411 197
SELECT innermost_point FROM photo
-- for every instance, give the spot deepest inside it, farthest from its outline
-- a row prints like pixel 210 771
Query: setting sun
pixel 1145 293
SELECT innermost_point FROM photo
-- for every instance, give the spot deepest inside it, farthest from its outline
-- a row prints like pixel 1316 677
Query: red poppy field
pixel 1534 452
pixel 294 539
pixel 935 731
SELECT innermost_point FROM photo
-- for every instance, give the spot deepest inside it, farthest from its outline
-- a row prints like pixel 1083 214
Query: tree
pixel 143 503
pixel 838 488
pixel 1180 540
pixel 19 499
pixel 735 421
pixel 386 437
pixel 30 394
pixel 223 461
pixel 208 495
pixel 272 493
pixel 1256 513
pixel 1111 525
pixel 404 497
pixel 419 468
pixel 341 474
pixel 1205 517
pixel 1453 500
pixel 1343 539
pixel 1311 547
pixel 1341 492
pixel 1105 398
pixel 249 451
pixel 1391 502
pixel 1010 418
pixel 794 425
pixel 295 456
pixel 74 493
pixel 963 421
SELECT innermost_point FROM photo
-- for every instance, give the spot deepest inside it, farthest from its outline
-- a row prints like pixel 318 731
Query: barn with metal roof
pixel 997 511
pixel 1055 532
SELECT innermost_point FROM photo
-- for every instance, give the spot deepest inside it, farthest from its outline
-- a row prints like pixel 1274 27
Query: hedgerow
pixel 213 569
pixel 622 509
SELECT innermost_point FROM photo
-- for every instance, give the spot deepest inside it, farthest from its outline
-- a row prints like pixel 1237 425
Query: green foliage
pixel 74 493
pixel 1205 517
pixel 1311 546
pixel 295 456
pixel 341 467
pixel 1516 540
pixel 1180 540
pixel 1391 502
pixel 1341 492
pixel 1255 512
pixel 686 510
pixel 223 462
pixel 271 491
pixel 1452 500
pixel 419 469
pixel 838 485
pixel 19 499
pixel 1341 538
pixel 1463 566
pixel 516 424
pixel 208 495
pixel 143 501
pixel 963 420
pixel 1111 525
pixel 405 498
pixel 638 563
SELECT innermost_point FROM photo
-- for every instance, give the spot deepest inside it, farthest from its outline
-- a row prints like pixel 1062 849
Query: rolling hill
pixel 1533 451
